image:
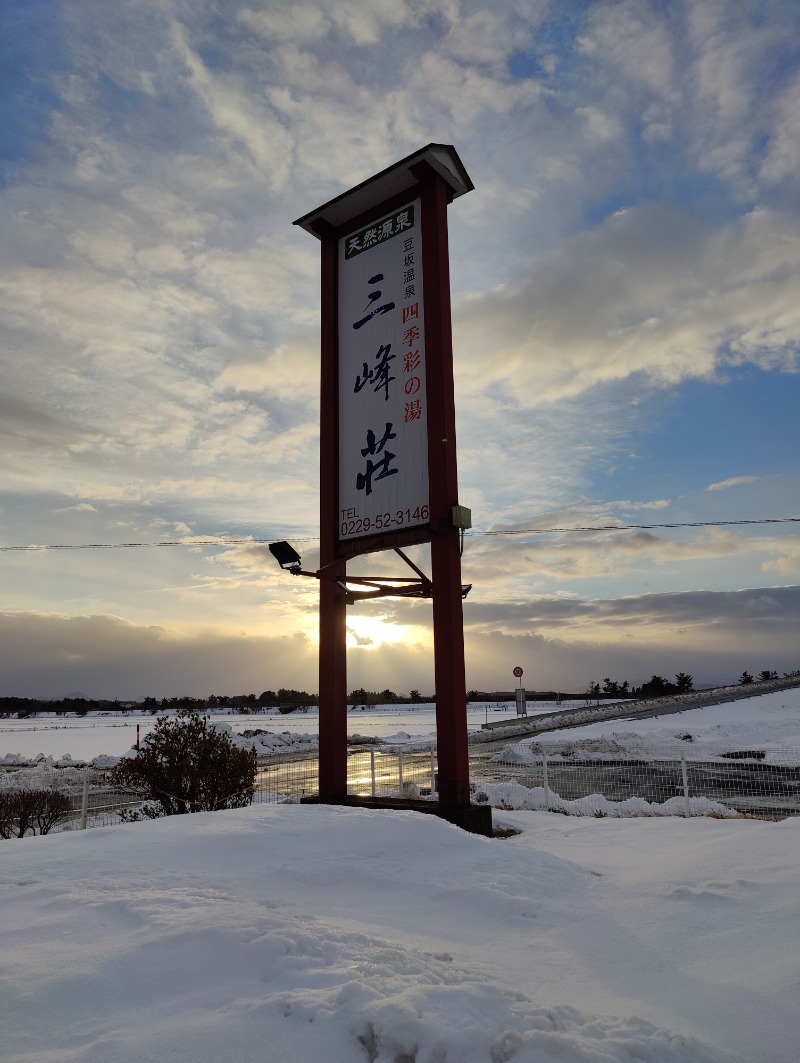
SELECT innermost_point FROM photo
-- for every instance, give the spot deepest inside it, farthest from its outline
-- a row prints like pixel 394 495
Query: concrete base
pixel 477 819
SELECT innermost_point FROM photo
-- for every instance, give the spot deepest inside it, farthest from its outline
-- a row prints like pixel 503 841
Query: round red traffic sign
pixel 518 671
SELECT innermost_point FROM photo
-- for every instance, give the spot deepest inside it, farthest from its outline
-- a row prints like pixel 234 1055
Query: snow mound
pixel 517 754
pixel 612 745
pixel 297 934
pixel 512 795
pixel 267 742
pixel 105 760
pixel 11 759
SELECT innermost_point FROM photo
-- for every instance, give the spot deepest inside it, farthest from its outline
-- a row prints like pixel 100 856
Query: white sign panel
pixel 383 424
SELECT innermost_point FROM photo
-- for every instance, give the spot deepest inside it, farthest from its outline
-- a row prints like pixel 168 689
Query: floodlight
pixel 285 555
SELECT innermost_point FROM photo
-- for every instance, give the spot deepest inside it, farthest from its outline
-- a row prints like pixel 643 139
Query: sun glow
pixel 372 632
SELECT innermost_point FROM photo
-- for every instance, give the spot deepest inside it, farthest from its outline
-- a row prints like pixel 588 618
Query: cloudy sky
pixel 626 309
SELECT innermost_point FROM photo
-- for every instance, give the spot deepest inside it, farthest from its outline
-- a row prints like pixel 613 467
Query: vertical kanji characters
pixel 379 469
pixel 374 296
pixel 378 376
pixel 383 426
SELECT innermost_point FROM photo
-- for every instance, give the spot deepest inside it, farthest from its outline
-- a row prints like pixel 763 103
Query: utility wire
pixel 315 538
pixel 631 527
pixel 171 542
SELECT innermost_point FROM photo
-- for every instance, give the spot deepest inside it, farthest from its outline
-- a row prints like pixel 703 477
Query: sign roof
pixel 398 178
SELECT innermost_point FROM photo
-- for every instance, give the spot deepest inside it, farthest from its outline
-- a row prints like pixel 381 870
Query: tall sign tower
pixel 387 426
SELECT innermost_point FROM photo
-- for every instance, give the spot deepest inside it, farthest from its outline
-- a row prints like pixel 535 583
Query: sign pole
pixel 522 708
pixel 448 618
pixel 332 600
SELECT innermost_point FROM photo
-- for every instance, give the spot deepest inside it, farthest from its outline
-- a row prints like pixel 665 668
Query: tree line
pixel 288 700
pixel 658 686
pixel 244 703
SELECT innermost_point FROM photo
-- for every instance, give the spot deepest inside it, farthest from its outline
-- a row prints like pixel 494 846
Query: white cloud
pixel 633 39
pixel 302 23
pixel 782 157
pixel 163 258
pixel 600 125
pixel 563 645
pixel 245 122
pixel 160 313
pixel 732 481
pixel 290 369
pixel 653 290
pixel 361 22
pixel 507 563
pixel 488 35
pixel 787 564
pixel 81 507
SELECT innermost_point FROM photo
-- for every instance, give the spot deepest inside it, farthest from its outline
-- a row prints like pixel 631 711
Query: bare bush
pixel 25 810
pixel 186 765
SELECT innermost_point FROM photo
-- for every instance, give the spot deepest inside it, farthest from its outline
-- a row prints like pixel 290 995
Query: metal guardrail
pixel 522 726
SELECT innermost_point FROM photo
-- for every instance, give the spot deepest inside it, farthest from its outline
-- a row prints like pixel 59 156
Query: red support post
pixel 332 604
pixel 448 619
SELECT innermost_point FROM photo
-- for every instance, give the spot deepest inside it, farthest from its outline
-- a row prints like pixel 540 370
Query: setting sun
pixel 372 632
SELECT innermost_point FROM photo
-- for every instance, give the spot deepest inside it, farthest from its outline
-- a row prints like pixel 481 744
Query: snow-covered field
pixel 83 738
pixel 298 934
pixel 767 721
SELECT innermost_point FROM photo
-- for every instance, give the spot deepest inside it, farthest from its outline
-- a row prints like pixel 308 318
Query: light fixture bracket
pixel 366 586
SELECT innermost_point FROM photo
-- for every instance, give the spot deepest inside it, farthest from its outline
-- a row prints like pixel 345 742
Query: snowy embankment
pixel 617 710
pixel 768 723
pixel 290 933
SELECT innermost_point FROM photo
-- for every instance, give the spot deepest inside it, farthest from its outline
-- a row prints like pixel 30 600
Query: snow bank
pixel 768 724
pixel 512 795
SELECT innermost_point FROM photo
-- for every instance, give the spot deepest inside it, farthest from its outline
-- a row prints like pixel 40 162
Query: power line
pixel 172 542
pixel 632 527
pixel 315 538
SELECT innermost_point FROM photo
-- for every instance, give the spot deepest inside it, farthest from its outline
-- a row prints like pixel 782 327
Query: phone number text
pixel 383 521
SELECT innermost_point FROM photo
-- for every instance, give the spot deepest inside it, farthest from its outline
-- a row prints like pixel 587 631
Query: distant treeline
pixel 81 706
pixel 291 700
pixel 283 699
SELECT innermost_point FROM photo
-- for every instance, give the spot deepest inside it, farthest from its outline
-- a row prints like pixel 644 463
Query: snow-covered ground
pixel 96 734
pixel 769 721
pixel 297 934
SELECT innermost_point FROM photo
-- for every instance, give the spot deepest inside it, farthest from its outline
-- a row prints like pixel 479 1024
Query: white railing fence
pixel 763 783
pixel 686 782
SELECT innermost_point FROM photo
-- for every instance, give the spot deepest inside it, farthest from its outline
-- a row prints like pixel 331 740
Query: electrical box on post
pixel 461 517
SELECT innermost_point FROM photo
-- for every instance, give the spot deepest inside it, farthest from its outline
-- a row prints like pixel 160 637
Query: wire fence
pixel 763 783
pixel 95 802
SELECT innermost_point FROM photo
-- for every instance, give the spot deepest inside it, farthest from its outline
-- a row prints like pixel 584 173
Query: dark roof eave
pixel 396 179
